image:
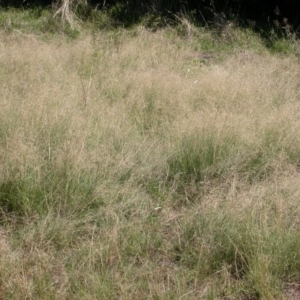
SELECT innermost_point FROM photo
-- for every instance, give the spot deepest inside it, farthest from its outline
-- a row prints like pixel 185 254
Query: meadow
pixel 148 165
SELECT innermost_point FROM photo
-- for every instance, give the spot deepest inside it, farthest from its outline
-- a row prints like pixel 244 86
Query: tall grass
pixel 140 165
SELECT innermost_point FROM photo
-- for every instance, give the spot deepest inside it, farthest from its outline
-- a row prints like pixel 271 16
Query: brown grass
pixel 88 131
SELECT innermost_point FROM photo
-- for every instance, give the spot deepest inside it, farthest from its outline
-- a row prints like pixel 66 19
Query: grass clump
pixel 201 158
pixel 242 247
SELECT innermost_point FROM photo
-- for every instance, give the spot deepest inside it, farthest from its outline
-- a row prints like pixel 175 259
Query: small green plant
pixel 281 46
pixel 202 157
pixel 21 198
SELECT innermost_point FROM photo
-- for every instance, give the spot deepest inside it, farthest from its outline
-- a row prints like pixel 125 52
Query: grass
pixel 148 165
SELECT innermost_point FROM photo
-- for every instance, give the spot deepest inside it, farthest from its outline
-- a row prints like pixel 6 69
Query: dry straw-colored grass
pixel 99 137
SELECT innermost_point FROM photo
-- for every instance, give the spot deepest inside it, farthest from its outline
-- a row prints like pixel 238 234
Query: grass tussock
pixel 141 165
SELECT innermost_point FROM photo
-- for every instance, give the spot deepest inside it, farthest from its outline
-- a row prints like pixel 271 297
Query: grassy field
pixel 148 165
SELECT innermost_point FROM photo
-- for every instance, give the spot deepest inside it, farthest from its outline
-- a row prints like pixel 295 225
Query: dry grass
pixel 133 167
